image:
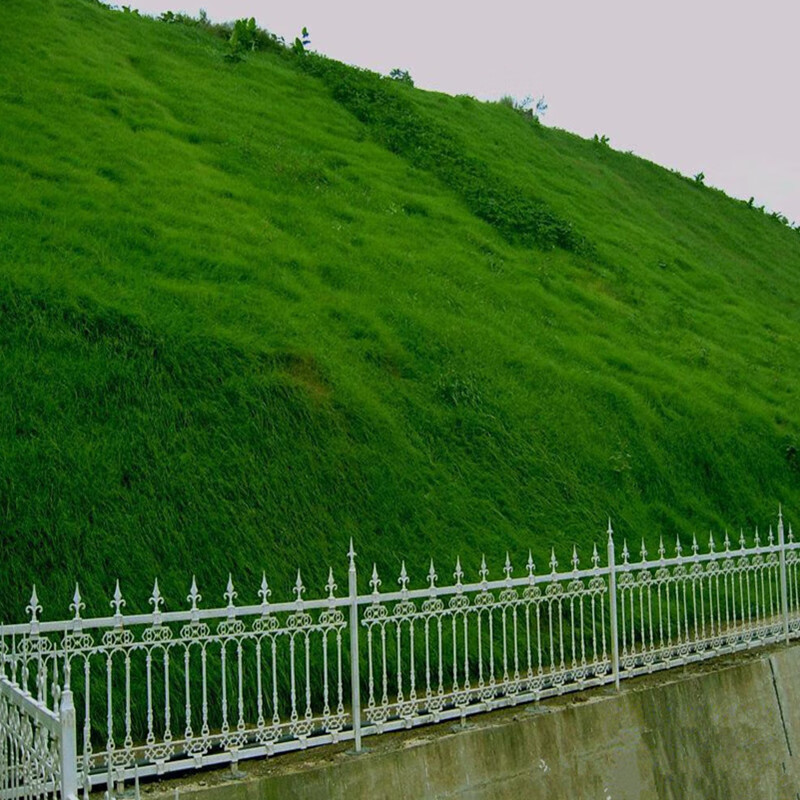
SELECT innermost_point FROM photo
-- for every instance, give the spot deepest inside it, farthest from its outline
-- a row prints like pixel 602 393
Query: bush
pixel 402 76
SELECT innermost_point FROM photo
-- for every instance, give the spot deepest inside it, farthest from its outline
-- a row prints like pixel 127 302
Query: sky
pixel 695 85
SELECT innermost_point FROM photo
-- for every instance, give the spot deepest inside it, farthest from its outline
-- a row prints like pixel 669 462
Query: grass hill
pixel 251 309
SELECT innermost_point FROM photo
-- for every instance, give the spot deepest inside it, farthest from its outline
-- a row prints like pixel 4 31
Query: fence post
pixel 784 588
pixel 612 597
pixel 69 742
pixel 355 679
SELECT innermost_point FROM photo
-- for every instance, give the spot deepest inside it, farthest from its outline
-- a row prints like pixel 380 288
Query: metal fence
pixel 170 691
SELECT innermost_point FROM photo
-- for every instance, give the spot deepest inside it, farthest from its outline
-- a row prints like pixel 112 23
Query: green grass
pixel 247 313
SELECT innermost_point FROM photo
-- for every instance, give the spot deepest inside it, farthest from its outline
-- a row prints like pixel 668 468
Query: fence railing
pixel 168 691
pixel 37 746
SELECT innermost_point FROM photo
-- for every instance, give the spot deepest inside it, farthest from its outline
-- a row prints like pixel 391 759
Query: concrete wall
pixel 726 730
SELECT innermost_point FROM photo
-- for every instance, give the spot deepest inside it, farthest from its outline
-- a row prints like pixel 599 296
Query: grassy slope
pixel 236 330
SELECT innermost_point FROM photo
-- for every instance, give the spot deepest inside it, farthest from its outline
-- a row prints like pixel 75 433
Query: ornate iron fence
pixel 37 745
pixel 168 691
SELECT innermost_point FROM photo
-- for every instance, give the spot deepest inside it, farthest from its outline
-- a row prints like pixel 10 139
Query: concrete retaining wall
pixel 725 730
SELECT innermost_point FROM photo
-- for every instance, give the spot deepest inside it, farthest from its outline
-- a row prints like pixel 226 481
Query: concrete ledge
pixel 725 729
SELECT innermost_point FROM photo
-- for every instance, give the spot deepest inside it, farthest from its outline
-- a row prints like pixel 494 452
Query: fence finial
pixel 264 592
pixel 403 579
pixel 156 600
pixel 351 554
pixel 194 597
pixel 34 608
pixel 118 601
pixel 230 593
pixel 459 573
pixel 610 530
pixel 330 586
pixel 432 577
pixel 375 581
pixel 77 604
pixel 530 565
pixel 299 588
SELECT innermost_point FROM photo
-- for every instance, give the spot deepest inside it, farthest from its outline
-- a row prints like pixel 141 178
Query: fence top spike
pixel 403 579
pixel 625 552
pixel 77 604
pixel 695 547
pixel 374 581
pixel 507 568
pixel 351 554
pixel 553 561
pixel 432 576
pixel 530 565
pixel 780 512
pixel 770 536
pixel 757 538
pixel 595 556
pixel 711 541
pixel 459 573
pixel 742 540
pixel 330 586
pixel 230 593
pixel 678 546
pixel 661 550
pixel 118 600
pixel 575 559
pixel 610 530
pixel 643 551
pixel 484 572
pixel 298 587
pixel 727 542
pixel 34 607
pixel 194 597
pixel 156 600
pixel 264 592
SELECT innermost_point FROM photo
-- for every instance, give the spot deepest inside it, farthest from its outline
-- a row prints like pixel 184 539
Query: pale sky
pixel 696 85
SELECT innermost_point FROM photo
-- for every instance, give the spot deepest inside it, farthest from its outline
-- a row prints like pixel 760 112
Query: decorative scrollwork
pixel 266 624
pixel 35 646
pixel 231 627
pixel 157 635
pixel 332 619
pixel 119 637
pixel 459 603
pixel 432 606
pixel 374 614
pixel 299 620
pixel 405 609
pixel 196 631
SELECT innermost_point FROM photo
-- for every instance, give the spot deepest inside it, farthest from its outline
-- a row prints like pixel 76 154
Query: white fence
pixel 168 691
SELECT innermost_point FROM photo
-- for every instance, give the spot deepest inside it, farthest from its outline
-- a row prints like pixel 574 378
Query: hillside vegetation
pixel 249 309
